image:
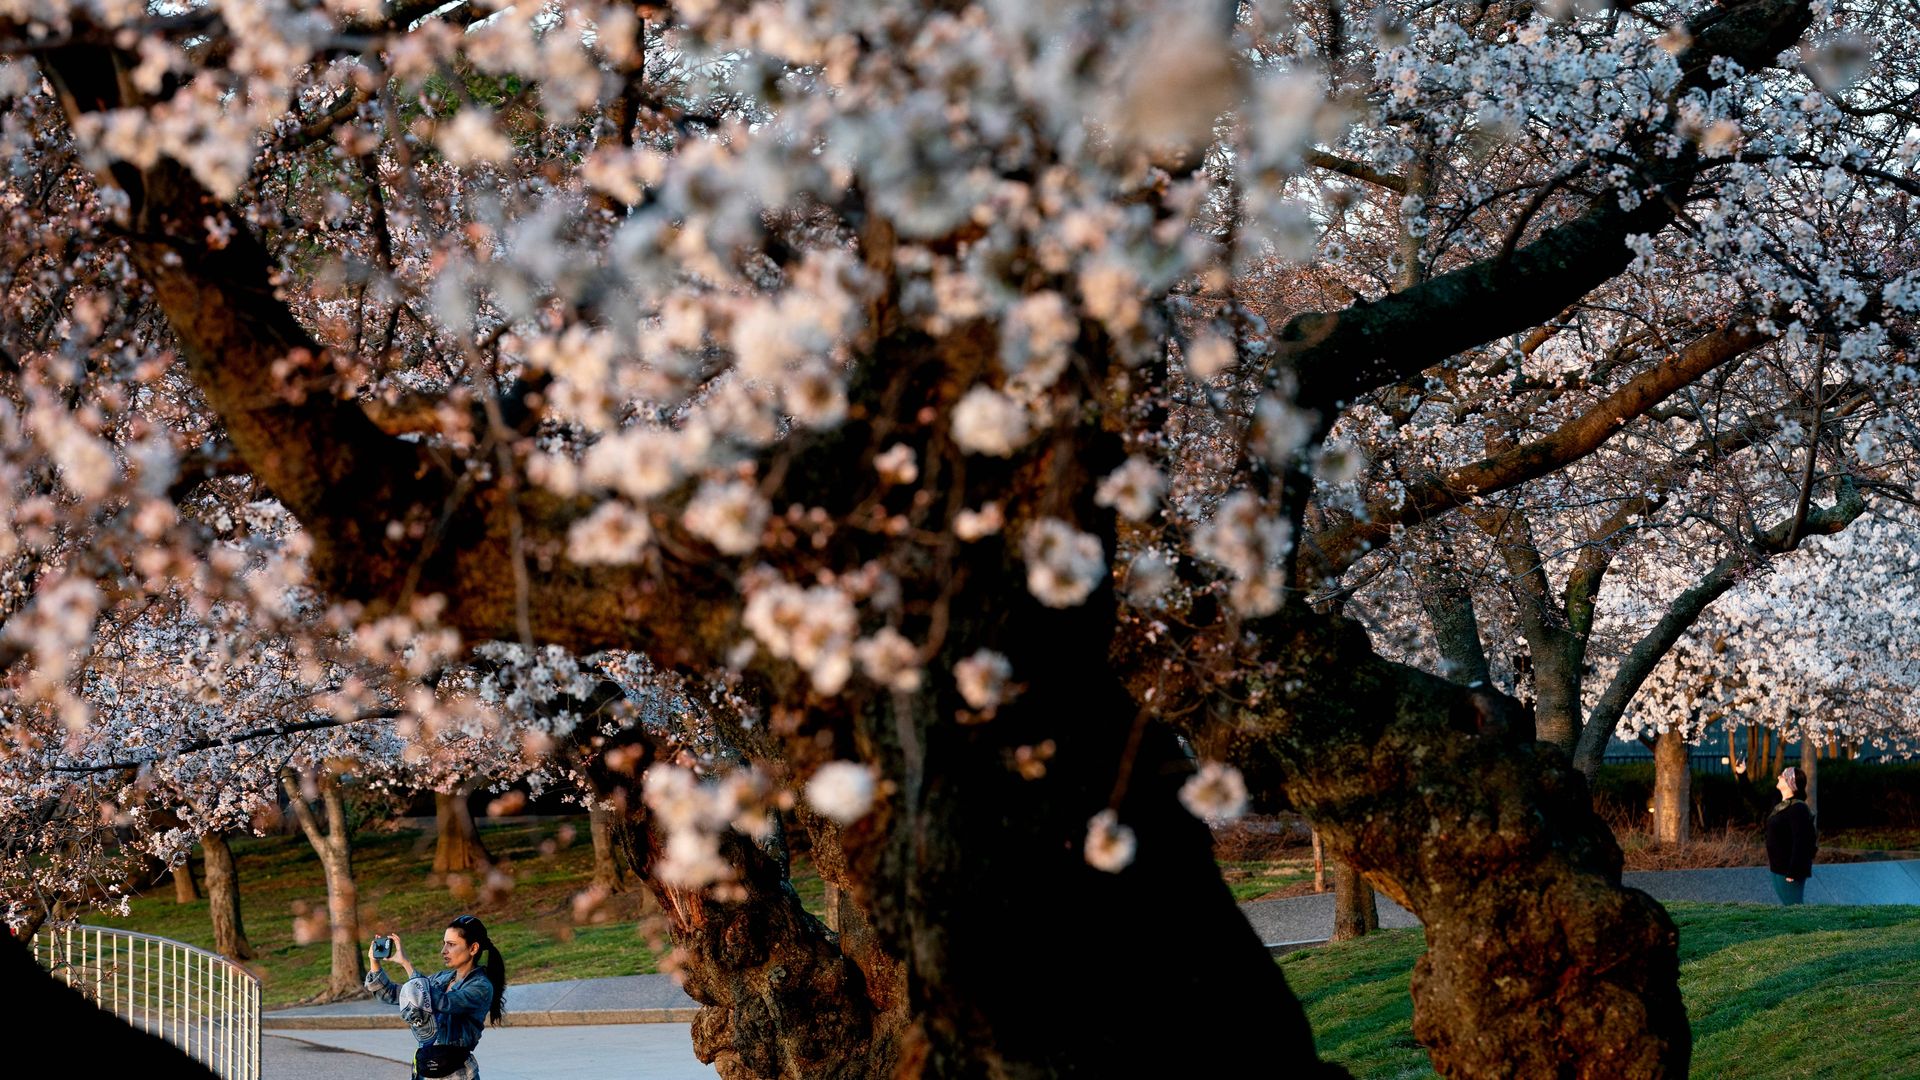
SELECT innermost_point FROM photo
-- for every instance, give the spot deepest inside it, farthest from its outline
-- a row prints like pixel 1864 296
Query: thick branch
pixel 1336 356
pixel 212 742
pixel 1320 159
pixel 1334 549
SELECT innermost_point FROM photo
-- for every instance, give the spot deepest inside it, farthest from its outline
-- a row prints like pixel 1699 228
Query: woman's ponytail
pixel 496 968
pixel 497 975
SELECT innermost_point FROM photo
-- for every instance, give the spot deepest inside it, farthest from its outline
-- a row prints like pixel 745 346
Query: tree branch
pixel 1334 549
pixel 211 743
pixel 1355 170
pixel 1334 357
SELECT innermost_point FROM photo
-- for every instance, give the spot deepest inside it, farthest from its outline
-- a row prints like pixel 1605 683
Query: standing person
pixel 1790 838
pixel 448 1009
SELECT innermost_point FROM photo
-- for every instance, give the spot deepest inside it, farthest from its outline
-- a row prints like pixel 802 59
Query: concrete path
pixel 1309 919
pixel 652 1051
pixel 282 1058
pixel 1831 883
pixel 630 999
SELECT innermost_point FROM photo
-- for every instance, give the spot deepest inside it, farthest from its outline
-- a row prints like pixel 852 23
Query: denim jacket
pixel 459 1012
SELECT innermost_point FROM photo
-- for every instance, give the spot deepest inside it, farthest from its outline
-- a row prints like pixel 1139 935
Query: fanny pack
pixel 440 1060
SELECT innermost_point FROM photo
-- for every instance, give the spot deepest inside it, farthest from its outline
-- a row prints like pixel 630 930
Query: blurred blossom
pixel 1215 793
pixel 841 791
pixel 1109 845
pixel 982 678
pixel 1064 565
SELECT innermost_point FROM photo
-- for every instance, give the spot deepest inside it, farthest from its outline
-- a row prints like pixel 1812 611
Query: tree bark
pixel 183 888
pixel 1672 789
pixel 1810 762
pixel 223 899
pixel 1559 659
pixel 1355 913
pixel 780 998
pixel 334 846
pixel 609 867
pixel 457 847
pixel 1456 627
pixel 1319 863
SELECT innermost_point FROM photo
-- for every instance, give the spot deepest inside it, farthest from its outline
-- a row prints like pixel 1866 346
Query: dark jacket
pixel 1790 840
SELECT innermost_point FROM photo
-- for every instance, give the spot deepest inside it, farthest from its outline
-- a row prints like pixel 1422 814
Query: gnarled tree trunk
pixel 1538 962
pixel 223 899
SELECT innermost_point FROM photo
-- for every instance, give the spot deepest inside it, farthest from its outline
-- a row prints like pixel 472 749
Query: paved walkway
pixel 630 999
pixel 635 1025
pixel 1300 920
pixel 652 1051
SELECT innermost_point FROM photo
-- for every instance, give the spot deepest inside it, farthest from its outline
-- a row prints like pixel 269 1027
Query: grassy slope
pixel 533 923
pixel 1803 992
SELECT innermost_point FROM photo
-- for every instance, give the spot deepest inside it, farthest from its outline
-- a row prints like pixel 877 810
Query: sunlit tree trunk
pixel 1810 761
pixel 334 846
pixel 223 899
pixel 1355 913
pixel 609 869
pixel 1672 788
pixel 457 847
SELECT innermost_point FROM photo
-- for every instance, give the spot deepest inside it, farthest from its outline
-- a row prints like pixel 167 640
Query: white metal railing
pixel 199 1001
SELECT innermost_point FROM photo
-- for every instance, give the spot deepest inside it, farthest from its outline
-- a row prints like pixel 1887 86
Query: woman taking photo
pixel 1790 838
pixel 446 1010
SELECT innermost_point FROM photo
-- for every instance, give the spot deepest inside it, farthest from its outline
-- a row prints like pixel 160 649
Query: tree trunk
pixel 458 848
pixel 1558 660
pixel 1538 962
pixel 1456 626
pixel 1672 789
pixel 780 997
pixel 609 870
pixel 223 899
pixel 1355 913
pixel 183 889
pixel 335 849
pixel 921 985
pixel 1319 863
pixel 1810 761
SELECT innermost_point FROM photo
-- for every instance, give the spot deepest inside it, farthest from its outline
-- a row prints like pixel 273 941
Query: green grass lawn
pixel 549 861
pixel 1251 879
pixel 1772 992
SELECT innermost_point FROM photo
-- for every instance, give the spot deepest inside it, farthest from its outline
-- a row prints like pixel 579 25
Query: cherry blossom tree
pixel 1815 652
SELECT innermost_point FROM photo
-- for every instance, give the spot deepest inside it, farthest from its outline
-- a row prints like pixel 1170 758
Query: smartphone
pixel 382 948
